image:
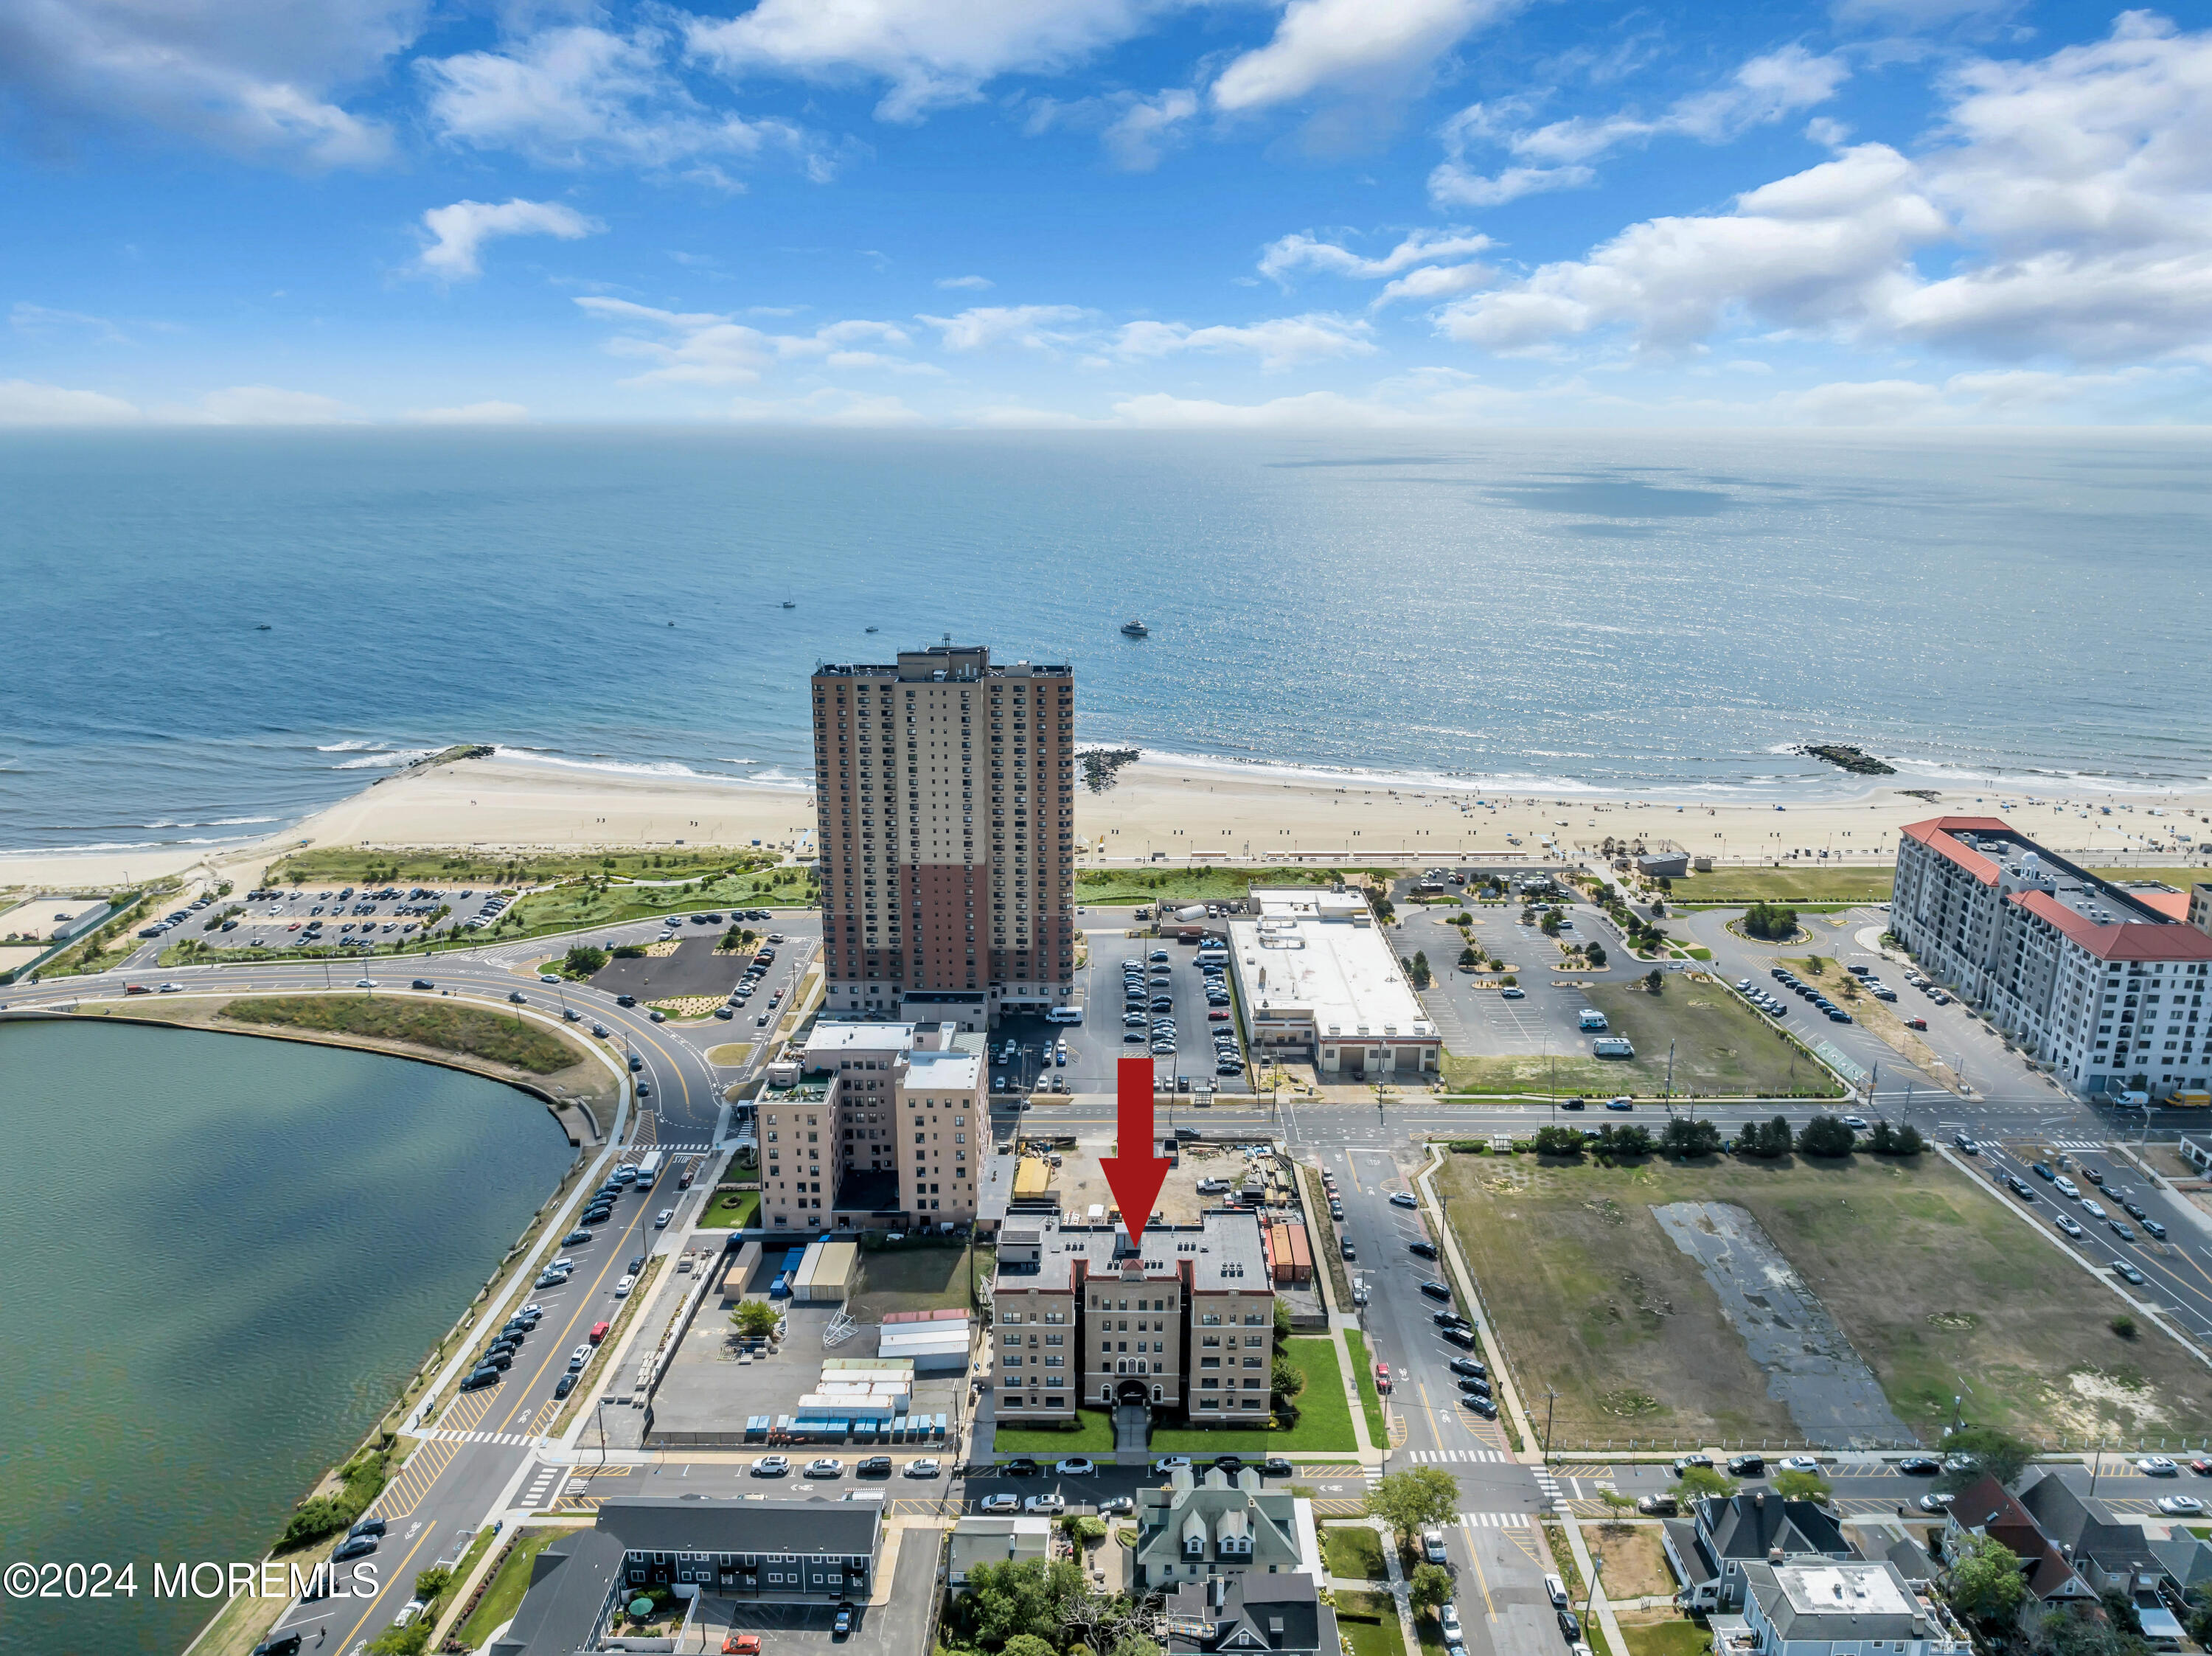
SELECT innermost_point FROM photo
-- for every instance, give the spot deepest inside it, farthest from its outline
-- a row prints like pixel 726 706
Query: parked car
pixel 999 1503
pixel 1049 1501
pixel 771 1465
pixel 1073 1466
pixel 1404 1198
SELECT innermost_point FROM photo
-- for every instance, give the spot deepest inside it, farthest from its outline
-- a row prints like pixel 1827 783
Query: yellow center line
pixel 1481 1580
pixel 399 1574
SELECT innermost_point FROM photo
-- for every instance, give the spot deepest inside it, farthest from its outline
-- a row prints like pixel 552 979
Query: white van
pixel 1064 1015
pixel 1593 1019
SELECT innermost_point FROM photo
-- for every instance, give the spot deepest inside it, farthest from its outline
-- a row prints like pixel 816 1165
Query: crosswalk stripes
pixel 1550 1486
pixel 512 1440
pixel 545 1487
pixel 1495 1521
pixel 1439 1456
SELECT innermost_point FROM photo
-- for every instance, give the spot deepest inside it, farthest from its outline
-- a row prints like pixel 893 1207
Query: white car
pixel 1169 1463
pixel 581 1354
pixel 2069 1227
pixel 2095 1209
pixel 624 1286
pixel 999 1503
pixel 2158 1466
pixel 1448 1617
pixel 1799 1463
pixel 2067 1188
pixel 1404 1198
pixel 2180 1506
pixel 1047 1503
pixel 1212 1186
pixel 661 1220
pixel 771 1465
pixel 171 989
pixel 364 983
pixel 1073 1466
pixel 924 1468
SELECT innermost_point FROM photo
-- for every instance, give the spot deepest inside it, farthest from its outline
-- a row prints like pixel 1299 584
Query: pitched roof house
pixel 1722 1533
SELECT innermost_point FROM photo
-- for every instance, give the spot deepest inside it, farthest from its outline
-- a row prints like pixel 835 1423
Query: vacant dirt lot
pixel 1939 1288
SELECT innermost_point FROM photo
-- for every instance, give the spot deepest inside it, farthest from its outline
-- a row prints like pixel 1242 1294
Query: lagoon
pixel 224 1255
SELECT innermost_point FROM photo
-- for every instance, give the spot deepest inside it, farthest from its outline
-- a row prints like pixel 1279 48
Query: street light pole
pixel 1551 1397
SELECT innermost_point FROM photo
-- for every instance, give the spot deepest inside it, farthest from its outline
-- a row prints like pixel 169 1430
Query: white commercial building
pixel 2087 978
pixel 1317 982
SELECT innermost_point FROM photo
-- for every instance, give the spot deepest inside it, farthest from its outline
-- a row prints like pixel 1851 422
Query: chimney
pixel 1758 1501
pixel 1774 1556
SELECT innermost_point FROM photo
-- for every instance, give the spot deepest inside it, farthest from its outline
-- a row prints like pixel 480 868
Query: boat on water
pixel 1135 629
pixel 872 630
pixel 788 604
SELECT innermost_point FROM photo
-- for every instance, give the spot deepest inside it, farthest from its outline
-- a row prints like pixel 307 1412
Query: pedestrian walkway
pixel 1550 1487
pixel 1495 1521
pixel 545 1487
pixel 512 1440
pixel 1458 1457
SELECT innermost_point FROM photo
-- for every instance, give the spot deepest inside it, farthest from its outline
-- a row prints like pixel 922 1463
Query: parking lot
pixel 1096 1046
pixel 1483 1023
pixel 330 916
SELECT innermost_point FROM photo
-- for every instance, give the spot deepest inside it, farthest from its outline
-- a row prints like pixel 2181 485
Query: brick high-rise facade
pixel 945 795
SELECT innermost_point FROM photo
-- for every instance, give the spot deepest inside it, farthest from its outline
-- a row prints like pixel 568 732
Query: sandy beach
pixel 1166 812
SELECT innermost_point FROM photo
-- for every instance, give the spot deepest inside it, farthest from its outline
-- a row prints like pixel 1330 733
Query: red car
pixel 742 1644
pixel 1382 1376
pixel 2202 1468
pixel 1915 1023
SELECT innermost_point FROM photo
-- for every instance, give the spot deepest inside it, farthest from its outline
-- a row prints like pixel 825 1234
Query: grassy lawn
pixel 360 866
pixel 1324 1415
pixel 1635 1561
pixel 1670 1635
pixel 1369 1621
pixel 504 1596
pixel 445 1025
pixel 1812 884
pixel 1935 1284
pixel 917 1278
pixel 730 1055
pixel 1118 886
pixel 735 1210
pixel 1722 1049
pixel 1370 1400
pixel 1093 1436
pixel 1354 1552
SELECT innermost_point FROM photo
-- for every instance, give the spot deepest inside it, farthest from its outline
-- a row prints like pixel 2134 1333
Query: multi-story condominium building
pixel 946 798
pixel 2089 979
pixel 879 1125
pixel 1185 1322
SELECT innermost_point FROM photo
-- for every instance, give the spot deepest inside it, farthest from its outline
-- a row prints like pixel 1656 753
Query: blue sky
pixel 1124 213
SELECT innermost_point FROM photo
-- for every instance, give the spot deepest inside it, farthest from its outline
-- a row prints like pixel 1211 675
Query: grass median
pixel 1931 1280
pixel 733 1210
pixel 1813 884
pixel 445 1026
pixel 1370 1400
pixel 504 1596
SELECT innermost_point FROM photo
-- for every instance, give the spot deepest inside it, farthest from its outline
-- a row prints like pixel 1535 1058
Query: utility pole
pixel 1551 1397
pixel 1670 1075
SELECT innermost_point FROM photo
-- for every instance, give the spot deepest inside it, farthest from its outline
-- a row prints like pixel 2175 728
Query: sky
pixel 1156 214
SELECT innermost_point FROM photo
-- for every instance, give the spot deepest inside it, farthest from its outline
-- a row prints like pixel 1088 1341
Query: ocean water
pixel 225 1256
pixel 1537 611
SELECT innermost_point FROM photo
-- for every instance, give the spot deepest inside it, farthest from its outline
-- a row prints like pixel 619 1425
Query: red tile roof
pixel 2132 940
pixel 1936 833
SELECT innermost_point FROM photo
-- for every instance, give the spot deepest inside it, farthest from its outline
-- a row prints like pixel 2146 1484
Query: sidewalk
pixel 1509 1393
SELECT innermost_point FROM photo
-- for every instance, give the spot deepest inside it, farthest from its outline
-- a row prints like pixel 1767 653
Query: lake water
pixel 1538 611
pixel 224 1256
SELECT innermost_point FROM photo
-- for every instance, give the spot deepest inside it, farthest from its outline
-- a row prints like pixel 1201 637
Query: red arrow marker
pixel 1135 1178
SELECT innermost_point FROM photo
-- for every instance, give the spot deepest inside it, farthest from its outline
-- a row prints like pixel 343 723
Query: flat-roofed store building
pixel 1317 983
pixel 1185 1323
pixel 945 789
pixel 886 1125
pixel 2085 977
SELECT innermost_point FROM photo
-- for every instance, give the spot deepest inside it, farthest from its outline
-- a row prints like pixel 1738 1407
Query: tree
pixel 1419 1498
pixel 584 959
pixel 1696 1483
pixel 1135 1644
pixel 1286 1377
pixel 1558 1140
pixel 1282 1321
pixel 1772 922
pixel 432 1583
pixel 1990 1453
pixel 1595 954
pixel 1985 1583
pixel 1468 959
pixel 1683 1136
pixel 1003 1601
pixel 1802 1486
pixel 1430 1586
pixel 755 1318
pixel 1896 1141
pixel 1653 981
pixel 1623 1143
pixel 1421 975
pixel 1027 1644
pixel 1765 1139
pixel 409 1640
pixel 1825 1135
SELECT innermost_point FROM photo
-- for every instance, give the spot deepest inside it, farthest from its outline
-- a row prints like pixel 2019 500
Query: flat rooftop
pixel 1225 1250
pixel 1319 954
pixel 2108 919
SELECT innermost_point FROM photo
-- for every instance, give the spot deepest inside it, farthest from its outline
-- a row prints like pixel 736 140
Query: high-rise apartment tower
pixel 945 791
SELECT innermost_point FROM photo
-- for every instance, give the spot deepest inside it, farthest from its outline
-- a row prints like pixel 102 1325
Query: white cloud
pixel 1280 344
pixel 1435 282
pixel 1874 402
pixel 984 326
pixel 1325 410
pixel 1350 45
pixel 253 78
pixel 43 322
pixel 1301 251
pixel 471 414
pixel 705 348
pixel 2077 186
pixel 1557 156
pixel 971 283
pixel 25 403
pixel 931 53
pixel 460 232
pixel 827 407
pixel 575 95
pixel 272 405
pixel 1141 133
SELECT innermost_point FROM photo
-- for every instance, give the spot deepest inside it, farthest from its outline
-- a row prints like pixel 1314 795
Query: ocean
pixel 213 633
pixel 226 1256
